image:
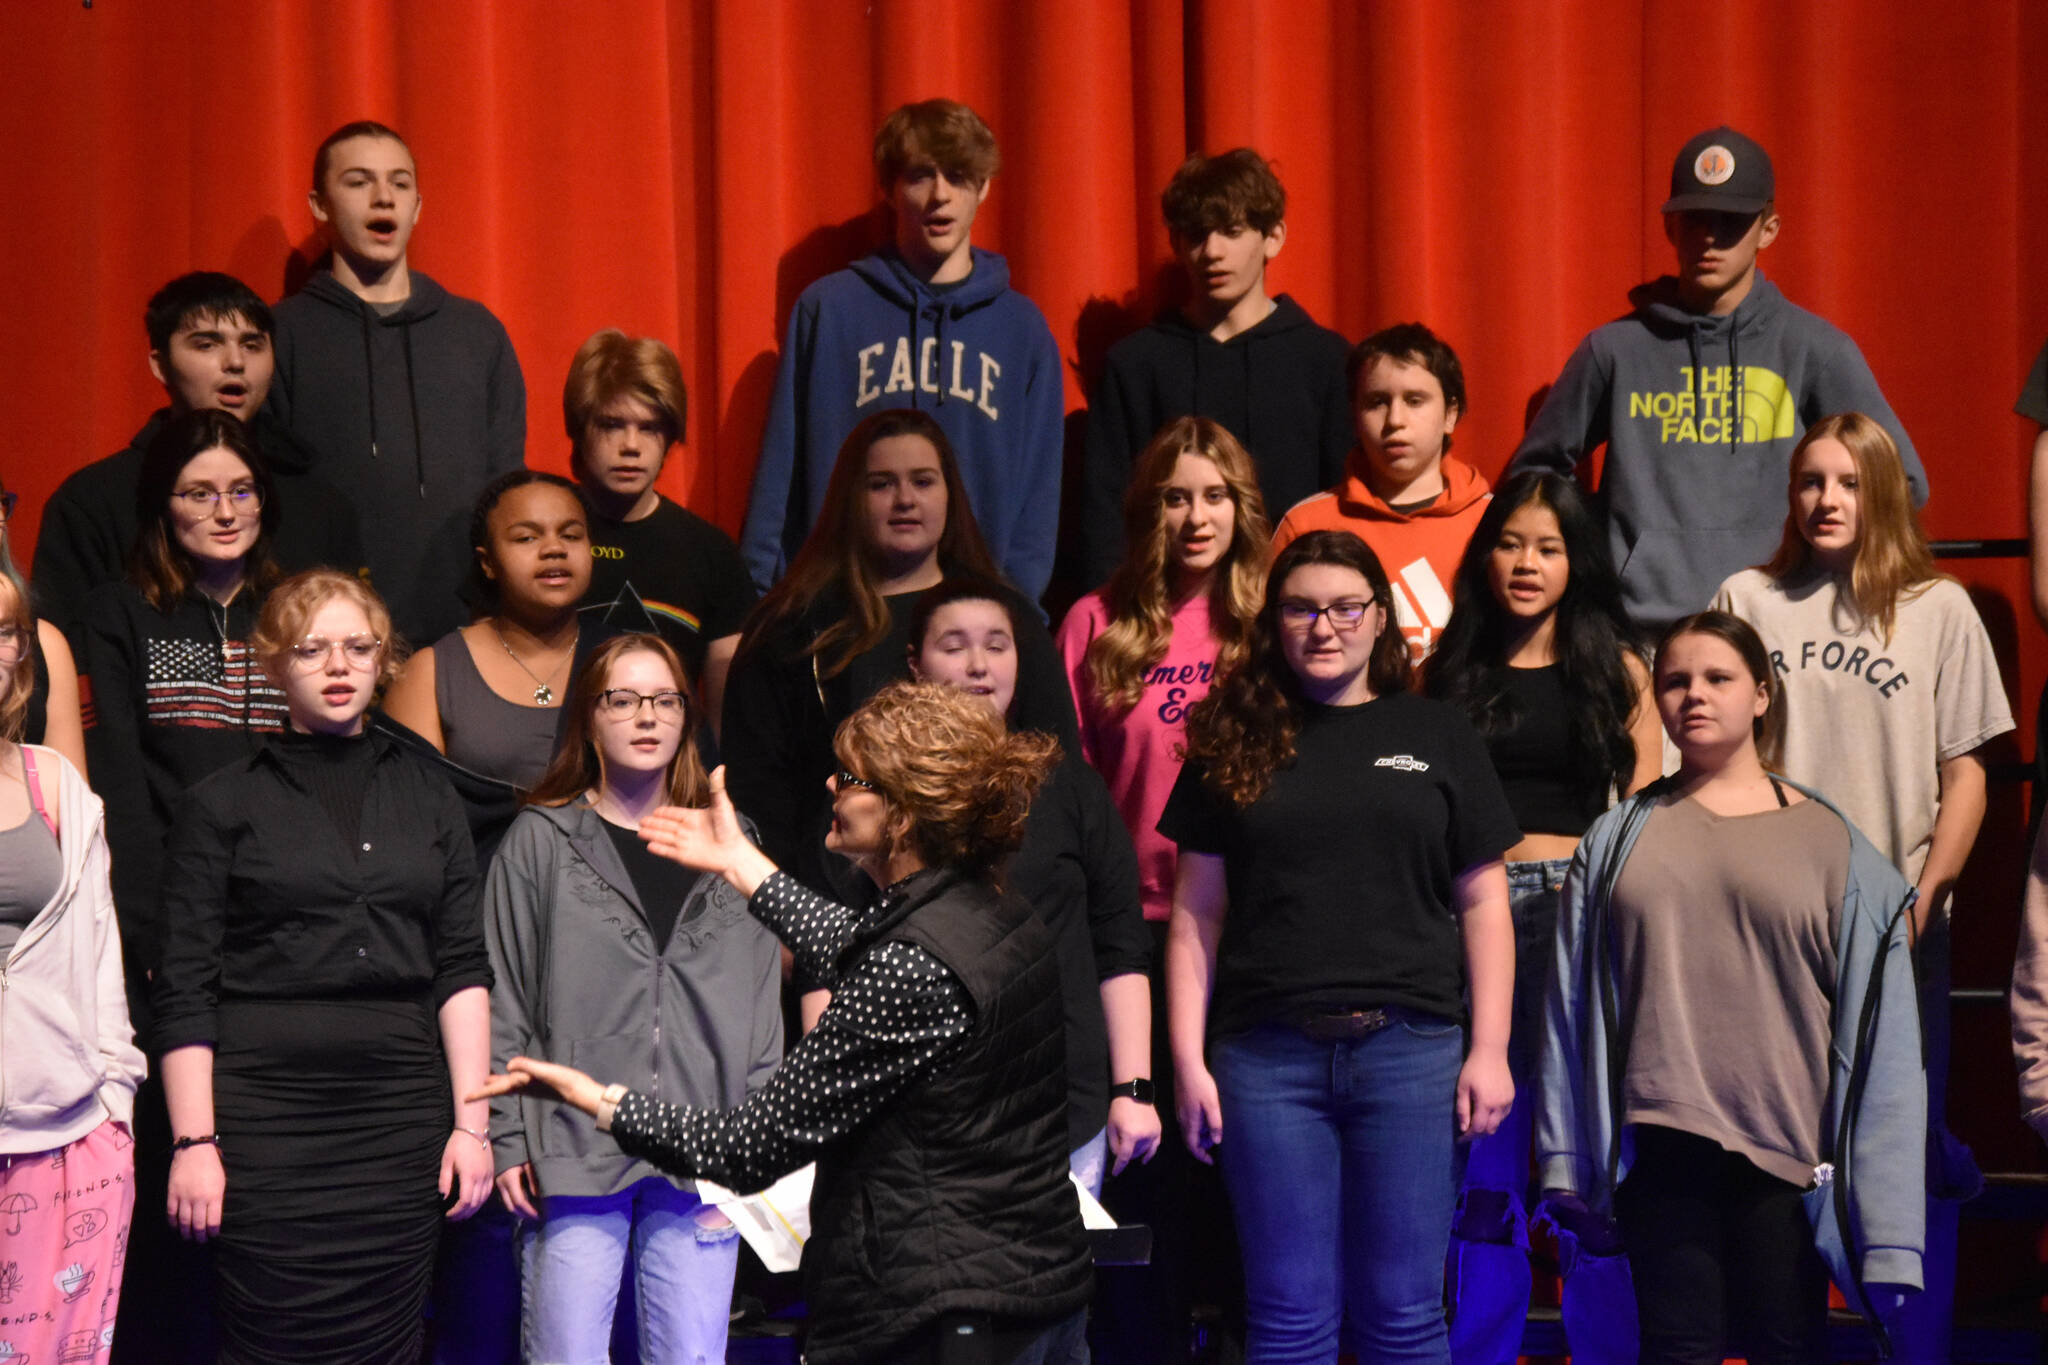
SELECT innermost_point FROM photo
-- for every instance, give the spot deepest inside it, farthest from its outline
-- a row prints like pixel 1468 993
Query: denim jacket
pixel 1868 1203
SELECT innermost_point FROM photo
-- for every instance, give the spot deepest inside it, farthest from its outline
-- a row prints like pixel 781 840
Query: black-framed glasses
pixel 8 502
pixel 359 650
pixel 844 780
pixel 13 644
pixel 1302 615
pixel 242 499
pixel 623 703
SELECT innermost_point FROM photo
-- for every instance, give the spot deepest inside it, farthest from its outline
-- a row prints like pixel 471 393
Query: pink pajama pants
pixel 63 1237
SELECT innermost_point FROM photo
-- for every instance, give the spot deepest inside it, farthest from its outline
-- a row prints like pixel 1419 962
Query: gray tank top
pixel 484 732
pixel 31 870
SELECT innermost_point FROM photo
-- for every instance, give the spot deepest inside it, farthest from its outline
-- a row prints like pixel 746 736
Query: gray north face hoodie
pixel 1699 415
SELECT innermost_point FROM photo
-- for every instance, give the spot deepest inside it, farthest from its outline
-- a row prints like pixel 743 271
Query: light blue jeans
pixel 682 1276
pixel 1488 1271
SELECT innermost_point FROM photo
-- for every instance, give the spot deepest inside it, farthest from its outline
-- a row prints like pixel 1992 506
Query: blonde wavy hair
pixel 958 783
pixel 21 681
pixel 1139 596
pixel 291 607
pixel 1892 556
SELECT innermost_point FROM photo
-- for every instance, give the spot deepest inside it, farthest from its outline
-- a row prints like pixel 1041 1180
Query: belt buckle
pixel 1344 1025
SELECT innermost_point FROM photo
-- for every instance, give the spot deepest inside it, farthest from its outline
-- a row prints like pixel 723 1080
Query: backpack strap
pixel 35 787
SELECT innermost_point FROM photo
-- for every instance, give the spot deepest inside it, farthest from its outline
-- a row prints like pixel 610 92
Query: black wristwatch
pixel 1139 1090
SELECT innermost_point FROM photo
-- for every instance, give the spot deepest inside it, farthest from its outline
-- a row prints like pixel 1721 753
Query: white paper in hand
pixel 776 1222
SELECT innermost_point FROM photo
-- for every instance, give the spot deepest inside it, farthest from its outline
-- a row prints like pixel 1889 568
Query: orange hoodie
pixel 1420 549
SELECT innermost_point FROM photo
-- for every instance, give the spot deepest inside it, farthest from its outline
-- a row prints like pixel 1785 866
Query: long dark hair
pixel 833 555
pixel 1244 730
pixel 1470 666
pixel 158 565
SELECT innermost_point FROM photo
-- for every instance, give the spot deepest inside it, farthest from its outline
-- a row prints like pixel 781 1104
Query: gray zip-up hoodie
pixel 1699 415
pixel 579 981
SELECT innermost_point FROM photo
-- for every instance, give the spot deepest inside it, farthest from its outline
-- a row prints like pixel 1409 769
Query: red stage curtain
pixel 685 168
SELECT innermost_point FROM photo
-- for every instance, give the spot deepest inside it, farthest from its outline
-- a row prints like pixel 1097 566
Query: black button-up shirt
pixel 263 899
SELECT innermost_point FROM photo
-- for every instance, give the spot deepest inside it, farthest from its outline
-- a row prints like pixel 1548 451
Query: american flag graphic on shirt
pixel 210 685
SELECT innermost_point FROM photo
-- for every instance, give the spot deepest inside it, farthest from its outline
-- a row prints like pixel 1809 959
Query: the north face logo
pixel 1761 410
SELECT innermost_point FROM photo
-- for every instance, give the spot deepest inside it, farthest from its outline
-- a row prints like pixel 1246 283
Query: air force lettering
pixel 973 381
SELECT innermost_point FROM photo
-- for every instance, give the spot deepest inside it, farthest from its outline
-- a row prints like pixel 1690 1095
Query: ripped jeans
pixel 1488 1272
pixel 682 1275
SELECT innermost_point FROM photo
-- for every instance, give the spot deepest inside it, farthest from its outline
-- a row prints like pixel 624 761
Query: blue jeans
pixel 1488 1270
pixel 682 1276
pixel 1342 1170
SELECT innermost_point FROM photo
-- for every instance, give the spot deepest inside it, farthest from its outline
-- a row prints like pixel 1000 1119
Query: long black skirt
pixel 333 1115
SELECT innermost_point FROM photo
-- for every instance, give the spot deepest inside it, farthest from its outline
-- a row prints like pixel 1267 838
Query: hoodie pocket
pixel 50 1068
pixel 569 1132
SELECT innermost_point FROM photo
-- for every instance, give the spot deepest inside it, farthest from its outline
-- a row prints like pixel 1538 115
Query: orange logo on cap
pixel 1714 165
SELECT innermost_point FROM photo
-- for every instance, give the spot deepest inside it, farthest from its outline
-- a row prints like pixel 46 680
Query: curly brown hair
pixel 1244 730
pixel 958 783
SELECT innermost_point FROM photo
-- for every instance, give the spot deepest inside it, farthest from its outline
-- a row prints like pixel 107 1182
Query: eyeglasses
pixel 623 703
pixel 13 644
pixel 1302 615
pixel 7 505
pixel 242 499
pixel 844 780
pixel 360 651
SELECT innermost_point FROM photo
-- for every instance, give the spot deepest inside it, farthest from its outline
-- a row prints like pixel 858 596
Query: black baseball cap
pixel 1723 171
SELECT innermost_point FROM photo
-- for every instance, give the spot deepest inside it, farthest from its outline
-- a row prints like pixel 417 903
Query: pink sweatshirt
pixel 1135 751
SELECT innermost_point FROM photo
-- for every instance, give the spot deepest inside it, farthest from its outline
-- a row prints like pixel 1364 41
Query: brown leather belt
pixel 1336 1026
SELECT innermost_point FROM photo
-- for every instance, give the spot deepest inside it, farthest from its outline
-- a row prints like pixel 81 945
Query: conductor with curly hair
pixel 932 1092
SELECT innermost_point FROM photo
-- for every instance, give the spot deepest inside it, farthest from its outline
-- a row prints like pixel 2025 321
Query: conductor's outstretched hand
pixel 708 839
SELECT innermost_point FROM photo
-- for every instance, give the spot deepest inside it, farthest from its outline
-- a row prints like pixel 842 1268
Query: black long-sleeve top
pixel 1080 874
pixel 264 898
pixel 897 1014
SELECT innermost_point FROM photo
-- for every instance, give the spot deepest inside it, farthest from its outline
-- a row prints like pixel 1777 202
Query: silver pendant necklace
pixel 543 695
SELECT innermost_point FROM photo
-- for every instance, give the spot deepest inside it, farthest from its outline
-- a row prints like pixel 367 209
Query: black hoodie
pixel 1277 387
pixel 89 524
pixel 174 697
pixel 409 414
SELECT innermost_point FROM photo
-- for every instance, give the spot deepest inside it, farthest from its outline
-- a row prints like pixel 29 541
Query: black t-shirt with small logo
pixel 1342 876
pixel 672 573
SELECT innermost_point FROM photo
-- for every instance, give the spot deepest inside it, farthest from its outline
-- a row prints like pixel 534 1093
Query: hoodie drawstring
pixel 1735 385
pixel 412 394
pixel 939 348
pixel 412 398
pixel 370 375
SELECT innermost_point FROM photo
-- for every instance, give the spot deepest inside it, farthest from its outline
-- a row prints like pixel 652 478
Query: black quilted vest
pixel 955 1198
